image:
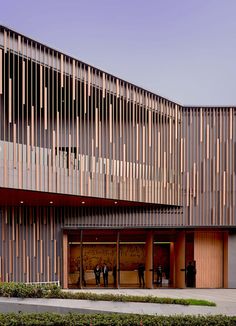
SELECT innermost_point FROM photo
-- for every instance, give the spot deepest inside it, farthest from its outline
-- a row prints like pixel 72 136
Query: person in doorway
pixel 83 279
pixel 114 275
pixel 105 274
pixel 141 269
pixel 190 275
pixel 97 272
pixel 159 275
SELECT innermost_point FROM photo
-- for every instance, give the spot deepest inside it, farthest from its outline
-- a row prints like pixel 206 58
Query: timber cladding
pixel 208 161
pixel 67 127
pixel 33 246
pixel 30 244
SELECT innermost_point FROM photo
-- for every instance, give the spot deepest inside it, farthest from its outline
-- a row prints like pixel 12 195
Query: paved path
pixel 224 298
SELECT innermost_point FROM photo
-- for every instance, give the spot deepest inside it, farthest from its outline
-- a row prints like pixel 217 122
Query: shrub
pixel 23 290
pixel 112 319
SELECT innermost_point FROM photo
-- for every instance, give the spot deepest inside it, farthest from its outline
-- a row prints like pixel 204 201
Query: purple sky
pixel 184 50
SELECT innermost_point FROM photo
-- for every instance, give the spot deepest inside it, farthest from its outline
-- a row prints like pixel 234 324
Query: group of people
pixel 104 270
pixel 98 270
pixel 190 274
pixel 141 270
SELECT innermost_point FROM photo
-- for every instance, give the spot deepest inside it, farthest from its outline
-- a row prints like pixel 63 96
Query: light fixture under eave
pixel 83 202
pixel 115 203
pixel 21 202
pixel 51 202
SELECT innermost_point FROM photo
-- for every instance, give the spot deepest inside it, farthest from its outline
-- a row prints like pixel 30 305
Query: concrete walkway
pixel 224 298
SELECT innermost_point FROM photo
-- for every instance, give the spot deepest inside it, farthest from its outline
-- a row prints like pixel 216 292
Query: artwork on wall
pixel 131 255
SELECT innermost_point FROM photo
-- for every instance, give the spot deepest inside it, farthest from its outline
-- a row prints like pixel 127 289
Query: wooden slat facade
pixel 209 174
pixel 77 130
pixel 30 244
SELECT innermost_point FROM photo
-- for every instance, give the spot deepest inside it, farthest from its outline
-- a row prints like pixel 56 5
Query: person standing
pixel 83 279
pixel 97 272
pixel 190 275
pixel 105 275
pixel 114 275
pixel 159 275
pixel 141 269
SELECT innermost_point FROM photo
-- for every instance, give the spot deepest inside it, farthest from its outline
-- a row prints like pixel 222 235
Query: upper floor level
pixel 68 127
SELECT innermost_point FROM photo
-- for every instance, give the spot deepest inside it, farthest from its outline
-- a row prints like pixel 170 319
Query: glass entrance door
pixel 161 264
pixel 92 255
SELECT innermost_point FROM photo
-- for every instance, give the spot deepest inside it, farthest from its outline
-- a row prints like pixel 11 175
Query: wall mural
pixel 130 256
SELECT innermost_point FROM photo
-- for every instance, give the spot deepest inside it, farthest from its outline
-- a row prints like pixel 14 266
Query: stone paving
pixel 224 298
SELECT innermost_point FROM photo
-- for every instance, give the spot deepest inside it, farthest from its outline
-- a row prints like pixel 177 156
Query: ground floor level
pixel 65 244
pixel 165 258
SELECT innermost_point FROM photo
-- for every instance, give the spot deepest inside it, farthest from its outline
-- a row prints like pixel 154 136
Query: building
pixel 94 169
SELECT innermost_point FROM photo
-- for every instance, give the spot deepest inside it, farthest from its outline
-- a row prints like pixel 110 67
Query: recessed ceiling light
pixel 115 202
pixel 21 202
pixel 83 202
pixel 51 202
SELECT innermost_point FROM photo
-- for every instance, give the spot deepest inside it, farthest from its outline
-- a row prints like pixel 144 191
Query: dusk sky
pixel 184 50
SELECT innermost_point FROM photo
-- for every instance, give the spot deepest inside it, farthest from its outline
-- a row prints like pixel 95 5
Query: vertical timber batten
pixel 65 260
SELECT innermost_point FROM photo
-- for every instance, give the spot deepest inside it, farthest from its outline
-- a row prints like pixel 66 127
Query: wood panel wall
pixel 209 257
pixel 179 256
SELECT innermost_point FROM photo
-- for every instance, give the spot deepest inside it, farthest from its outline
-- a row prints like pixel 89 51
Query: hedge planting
pixel 112 319
pixel 22 290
